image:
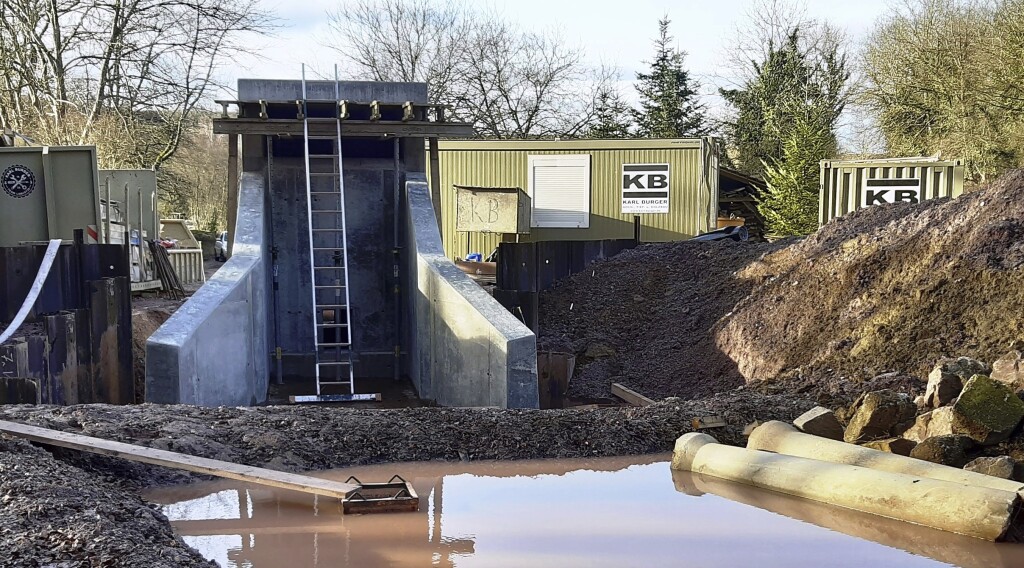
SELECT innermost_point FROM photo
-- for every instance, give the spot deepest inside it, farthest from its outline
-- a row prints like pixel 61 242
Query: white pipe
pixel 955 550
pixel 33 292
pixel 979 512
pixel 783 438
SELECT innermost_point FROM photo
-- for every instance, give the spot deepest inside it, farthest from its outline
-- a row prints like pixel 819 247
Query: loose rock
pixel 1009 369
pixel 988 411
pixel 1002 466
pixel 947 379
pixel 900 446
pixel 879 415
pixel 820 421
pixel 944 450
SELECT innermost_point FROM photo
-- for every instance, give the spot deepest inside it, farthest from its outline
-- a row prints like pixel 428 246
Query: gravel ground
pixel 55 515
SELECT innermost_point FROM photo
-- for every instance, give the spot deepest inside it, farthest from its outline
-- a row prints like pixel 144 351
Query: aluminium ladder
pixel 328 256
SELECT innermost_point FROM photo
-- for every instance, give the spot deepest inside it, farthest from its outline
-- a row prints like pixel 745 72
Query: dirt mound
pixel 53 514
pixel 144 322
pixel 644 318
pixel 887 289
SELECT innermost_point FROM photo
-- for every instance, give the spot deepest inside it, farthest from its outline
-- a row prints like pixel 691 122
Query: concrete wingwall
pixel 464 348
pixel 214 350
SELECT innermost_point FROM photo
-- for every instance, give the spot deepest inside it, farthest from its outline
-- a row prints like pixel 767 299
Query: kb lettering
pixel 657 181
pixel 881 196
pixel 628 181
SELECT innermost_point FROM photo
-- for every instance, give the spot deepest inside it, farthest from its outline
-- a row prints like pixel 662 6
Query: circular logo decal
pixel 18 181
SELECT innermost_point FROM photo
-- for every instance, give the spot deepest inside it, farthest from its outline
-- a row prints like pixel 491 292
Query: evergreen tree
pixel 790 205
pixel 790 84
pixel 669 105
pixel 613 117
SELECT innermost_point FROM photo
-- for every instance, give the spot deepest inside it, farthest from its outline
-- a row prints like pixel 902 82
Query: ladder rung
pixel 324 174
pixel 322 156
pixel 334 363
pixel 334 345
pixel 328 267
pixel 332 325
pixel 331 286
pixel 328 211
pixel 331 306
pixel 328 248
pixel 326 192
pixel 322 383
pixel 328 230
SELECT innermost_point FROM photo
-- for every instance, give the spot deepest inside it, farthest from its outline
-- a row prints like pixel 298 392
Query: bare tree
pixel 506 81
pixel 397 40
pixel 133 71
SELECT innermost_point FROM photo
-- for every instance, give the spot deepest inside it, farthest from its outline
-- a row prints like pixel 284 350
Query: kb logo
pixel 18 181
pixel 645 188
pixel 882 191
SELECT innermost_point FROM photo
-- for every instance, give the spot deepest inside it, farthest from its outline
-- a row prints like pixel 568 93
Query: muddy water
pixel 607 512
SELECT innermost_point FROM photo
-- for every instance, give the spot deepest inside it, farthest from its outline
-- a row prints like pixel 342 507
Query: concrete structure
pixel 576 187
pixel 214 350
pixel 439 345
pixel 465 348
pixel 850 185
pixel 979 512
pixel 782 438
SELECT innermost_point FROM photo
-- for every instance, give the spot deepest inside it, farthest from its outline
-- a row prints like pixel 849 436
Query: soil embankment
pixel 880 294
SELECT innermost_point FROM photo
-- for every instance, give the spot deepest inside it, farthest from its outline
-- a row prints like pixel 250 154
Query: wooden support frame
pixel 631 396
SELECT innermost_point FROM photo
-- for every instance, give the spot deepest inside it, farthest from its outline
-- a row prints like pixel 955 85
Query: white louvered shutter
pixel 559 187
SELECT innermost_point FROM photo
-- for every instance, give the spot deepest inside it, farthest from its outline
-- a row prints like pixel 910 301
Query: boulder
pixel 820 421
pixel 901 446
pixel 919 431
pixel 947 379
pixel 1001 466
pixel 880 415
pixel 1009 369
pixel 945 450
pixel 988 411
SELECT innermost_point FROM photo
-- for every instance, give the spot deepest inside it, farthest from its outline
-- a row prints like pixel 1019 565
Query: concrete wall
pixel 214 350
pixel 464 348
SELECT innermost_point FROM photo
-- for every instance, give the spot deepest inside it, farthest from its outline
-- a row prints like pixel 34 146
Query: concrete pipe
pixel 783 438
pixel 979 512
pixel 923 541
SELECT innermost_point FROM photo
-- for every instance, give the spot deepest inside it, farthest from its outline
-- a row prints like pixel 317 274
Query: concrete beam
pixel 291 89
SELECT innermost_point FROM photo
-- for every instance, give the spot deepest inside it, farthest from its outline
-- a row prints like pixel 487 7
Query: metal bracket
pixel 374 110
pixel 343 110
pixel 263 109
pixel 408 111
pixel 299 112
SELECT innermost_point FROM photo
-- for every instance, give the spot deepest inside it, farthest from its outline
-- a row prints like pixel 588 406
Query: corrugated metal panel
pixel 843 184
pixel 51 191
pixel 693 186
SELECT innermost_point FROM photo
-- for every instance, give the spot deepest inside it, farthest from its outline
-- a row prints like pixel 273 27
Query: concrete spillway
pixel 413 313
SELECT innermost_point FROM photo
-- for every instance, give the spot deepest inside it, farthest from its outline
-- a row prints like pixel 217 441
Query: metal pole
pixel 397 258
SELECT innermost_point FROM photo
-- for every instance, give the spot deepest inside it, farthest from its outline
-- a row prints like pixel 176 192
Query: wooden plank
pixel 704 422
pixel 195 464
pixel 233 188
pixel 630 396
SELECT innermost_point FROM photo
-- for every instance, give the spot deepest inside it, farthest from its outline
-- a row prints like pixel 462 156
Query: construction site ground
pixel 740 331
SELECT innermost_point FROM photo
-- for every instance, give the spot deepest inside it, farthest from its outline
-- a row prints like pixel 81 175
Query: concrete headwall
pixel 464 348
pixel 214 350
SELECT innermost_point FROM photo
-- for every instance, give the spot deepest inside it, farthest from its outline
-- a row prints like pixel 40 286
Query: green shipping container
pixel 853 184
pixel 587 189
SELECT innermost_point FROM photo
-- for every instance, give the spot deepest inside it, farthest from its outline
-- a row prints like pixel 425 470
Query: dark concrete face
pixel 370 211
pixel 361 91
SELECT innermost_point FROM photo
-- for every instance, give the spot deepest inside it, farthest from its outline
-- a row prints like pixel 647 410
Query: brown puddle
pixel 627 511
